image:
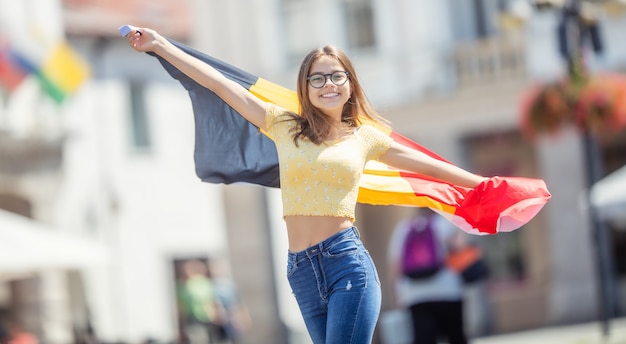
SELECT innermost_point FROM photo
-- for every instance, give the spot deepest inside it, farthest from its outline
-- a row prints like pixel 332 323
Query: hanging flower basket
pixel 598 105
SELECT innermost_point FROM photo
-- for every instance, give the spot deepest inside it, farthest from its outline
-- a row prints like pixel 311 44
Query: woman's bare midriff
pixel 306 231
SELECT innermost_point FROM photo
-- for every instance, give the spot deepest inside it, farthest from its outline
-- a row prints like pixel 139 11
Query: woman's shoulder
pixel 371 130
pixel 373 126
pixel 274 111
pixel 278 120
pixel 367 127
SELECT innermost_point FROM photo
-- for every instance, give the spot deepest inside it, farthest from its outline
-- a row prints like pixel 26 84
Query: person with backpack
pixel 424 285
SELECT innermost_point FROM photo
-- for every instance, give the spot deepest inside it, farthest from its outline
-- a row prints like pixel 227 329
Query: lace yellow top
pixel 322 180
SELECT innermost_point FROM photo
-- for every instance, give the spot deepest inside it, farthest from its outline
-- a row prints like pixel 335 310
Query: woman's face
pixel 329 97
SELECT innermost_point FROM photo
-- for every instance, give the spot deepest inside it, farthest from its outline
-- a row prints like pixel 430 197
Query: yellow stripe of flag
pixel 65 69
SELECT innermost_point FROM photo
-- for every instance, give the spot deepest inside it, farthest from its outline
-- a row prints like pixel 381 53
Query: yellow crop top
pixel 322 180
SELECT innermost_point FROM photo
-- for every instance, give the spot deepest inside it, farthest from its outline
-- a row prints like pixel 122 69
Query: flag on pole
pixel 60 70
pixel 11 74
pixel 229 149
pixel 33 43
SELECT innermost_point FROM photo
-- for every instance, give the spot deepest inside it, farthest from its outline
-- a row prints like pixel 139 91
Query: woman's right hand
pixel 144 39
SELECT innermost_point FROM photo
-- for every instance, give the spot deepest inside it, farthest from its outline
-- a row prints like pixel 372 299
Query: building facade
pixel 114 163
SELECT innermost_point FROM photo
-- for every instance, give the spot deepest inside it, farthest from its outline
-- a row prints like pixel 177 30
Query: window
pixel 360 24
pixel 503 154
pixel 140 133
pixel 478 19
pixel 504 256
pixel 302 30
pixel 308 25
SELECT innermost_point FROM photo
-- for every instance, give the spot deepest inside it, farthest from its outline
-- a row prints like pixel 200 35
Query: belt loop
pixel 356 230
pixel 313 250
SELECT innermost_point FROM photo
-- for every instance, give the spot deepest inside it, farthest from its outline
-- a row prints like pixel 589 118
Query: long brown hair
pixel 312 123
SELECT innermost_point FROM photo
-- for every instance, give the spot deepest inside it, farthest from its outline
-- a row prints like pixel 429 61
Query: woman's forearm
pixel 200 72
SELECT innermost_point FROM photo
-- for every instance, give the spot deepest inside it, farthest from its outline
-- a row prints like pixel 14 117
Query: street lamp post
pixel 572 31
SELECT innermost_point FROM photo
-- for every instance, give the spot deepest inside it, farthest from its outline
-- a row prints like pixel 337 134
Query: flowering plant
pixel 597 105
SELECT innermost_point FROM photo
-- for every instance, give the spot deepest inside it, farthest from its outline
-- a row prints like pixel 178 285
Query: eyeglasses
pixel 318 80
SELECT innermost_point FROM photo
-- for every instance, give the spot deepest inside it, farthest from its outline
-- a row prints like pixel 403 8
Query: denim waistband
pixel 350 232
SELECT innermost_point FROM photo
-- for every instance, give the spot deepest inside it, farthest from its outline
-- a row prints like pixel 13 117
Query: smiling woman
pixel 324 146
pixel 252 158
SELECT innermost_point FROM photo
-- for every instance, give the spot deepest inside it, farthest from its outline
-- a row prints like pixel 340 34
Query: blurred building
pixel 112 164
pixel 107 165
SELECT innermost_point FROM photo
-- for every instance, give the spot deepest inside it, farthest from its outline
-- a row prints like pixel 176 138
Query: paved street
pixel 572 334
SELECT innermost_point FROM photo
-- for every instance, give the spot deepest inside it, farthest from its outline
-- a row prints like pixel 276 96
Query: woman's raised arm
pixel 240 99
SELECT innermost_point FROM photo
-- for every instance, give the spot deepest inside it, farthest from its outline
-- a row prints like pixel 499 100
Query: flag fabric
pixel 39 48
pixel 60 71
pixel 63 71
pixel 229 149
pixel 11 73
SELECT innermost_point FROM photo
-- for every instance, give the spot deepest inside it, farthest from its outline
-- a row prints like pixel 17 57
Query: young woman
pixel 322 152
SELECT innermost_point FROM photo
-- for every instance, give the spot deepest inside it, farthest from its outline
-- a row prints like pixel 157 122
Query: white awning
pixel 608 196
pixel 26 245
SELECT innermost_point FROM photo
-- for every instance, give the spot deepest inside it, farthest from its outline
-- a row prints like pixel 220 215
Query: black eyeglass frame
pixel 328 76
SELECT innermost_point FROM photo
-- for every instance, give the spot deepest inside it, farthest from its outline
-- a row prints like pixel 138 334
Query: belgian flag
pixel 229 149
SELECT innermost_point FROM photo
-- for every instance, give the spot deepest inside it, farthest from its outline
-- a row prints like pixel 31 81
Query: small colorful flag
pixel 61 72
pixel 38 46
pixel 11 73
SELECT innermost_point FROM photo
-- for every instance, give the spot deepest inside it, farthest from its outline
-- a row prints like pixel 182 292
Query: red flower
pixel 598 105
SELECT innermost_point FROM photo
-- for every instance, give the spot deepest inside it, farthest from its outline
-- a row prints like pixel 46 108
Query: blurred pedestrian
pixel 235 317
pixel 199 307
pixel 16 334
pixel 424 285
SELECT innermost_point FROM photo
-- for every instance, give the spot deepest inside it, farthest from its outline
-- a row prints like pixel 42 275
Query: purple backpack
pixel 421 256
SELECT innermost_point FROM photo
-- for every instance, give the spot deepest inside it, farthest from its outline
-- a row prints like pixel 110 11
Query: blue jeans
pixel 337 288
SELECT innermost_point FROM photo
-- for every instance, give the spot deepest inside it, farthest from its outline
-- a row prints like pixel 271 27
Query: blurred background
pixel 100 205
